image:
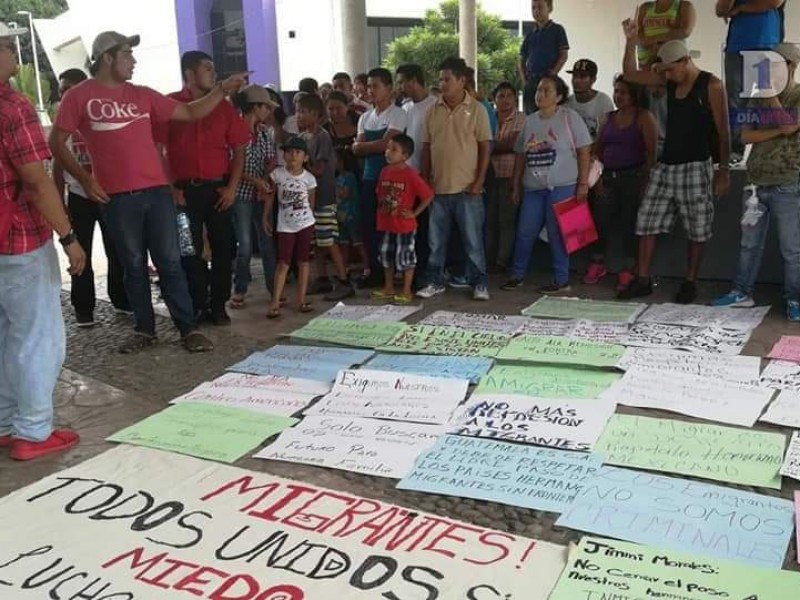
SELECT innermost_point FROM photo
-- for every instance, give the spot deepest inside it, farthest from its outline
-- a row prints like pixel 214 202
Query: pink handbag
pixel 575 223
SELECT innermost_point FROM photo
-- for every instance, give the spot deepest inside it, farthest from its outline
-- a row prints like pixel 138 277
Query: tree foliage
pixel 437 38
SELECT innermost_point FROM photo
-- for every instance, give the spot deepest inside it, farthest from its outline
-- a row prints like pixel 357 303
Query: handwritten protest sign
pixel 784 410
pixel 361 334
pixel 678 514
pixel 369 446
pixel 526 476
pixel 546 381
pixel 267 400
pixel 704 339
pixel 368 312
pixel 273 382
pixel 393 396
pixel 592 310
pixel 791 464
pixel 722 453
pixel 701 397
pixel 781 375
pixel 797 522
pixel 741 369
pixel 697 315
pixel 307 362
pixel 448 341
pixel 560 350
pixel 610 569
pixel 471 368
pixel 207 431
pixel 563 424
pixel 144 524
pixel 487 323
pixel 608 332
pixel 787 348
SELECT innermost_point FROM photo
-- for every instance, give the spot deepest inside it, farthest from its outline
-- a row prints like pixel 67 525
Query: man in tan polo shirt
pixel 455 156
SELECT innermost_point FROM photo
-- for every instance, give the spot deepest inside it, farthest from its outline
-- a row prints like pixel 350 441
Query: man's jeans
pixel 247 215
pixel 200 201
pixel 146 221
pixel 536 211
pixel 84 214
pixel 32 342
pixel 734 82
pixel 469 215
pixel 783 203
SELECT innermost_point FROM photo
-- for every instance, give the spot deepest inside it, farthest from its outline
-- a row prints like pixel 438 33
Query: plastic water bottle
pixel 752 209
pixel 185 235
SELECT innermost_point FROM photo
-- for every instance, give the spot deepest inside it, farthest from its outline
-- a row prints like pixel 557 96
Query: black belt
pixel 139 191
pixel 184 183
pixel 614 173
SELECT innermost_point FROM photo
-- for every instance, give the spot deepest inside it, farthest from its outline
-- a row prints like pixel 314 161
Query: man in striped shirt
pixel 32 338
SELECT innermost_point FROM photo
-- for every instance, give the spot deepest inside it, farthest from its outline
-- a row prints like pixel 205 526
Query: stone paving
pixel 102 391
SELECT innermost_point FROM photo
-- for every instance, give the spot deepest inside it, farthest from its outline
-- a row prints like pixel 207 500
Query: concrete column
pixel 354 36
pixel 468 33
pixel 261 36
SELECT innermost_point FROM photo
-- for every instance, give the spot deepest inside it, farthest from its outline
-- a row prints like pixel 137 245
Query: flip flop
pixel 305 307
pixel 236 302
pixel 381 295
pixel 273 313
pixel 402 300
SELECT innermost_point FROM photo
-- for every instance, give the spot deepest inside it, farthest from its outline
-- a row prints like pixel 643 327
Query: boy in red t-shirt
pixel 399 187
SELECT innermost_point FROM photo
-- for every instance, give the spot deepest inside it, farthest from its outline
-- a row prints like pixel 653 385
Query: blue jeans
pixel 248 214
pixel 783 203
pixel 146 222
pixel 535 212
pixel 32 342
pixel 469 215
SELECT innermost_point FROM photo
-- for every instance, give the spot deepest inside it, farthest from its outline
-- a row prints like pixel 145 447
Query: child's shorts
pixel 349 224
pixel 326 229
pixel 398 251
pixel 297 244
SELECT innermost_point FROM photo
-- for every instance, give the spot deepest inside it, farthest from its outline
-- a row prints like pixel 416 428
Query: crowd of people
pixel 384 180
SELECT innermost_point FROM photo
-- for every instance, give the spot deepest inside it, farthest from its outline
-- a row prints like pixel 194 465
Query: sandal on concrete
pixel 305 307
pixel 197 342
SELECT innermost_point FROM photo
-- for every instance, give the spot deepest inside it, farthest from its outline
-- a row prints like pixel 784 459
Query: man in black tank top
pixel 683 183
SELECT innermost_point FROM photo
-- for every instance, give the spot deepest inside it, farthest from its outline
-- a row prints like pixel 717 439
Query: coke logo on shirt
pixel 101 111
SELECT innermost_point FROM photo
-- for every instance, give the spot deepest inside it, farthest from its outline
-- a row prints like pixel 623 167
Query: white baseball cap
pixel 6 31
pixel 673 51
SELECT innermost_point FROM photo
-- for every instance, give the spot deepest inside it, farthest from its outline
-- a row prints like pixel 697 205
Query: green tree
pixel 437 38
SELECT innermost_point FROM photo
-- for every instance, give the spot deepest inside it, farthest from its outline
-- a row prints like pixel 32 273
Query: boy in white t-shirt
pixel 295 189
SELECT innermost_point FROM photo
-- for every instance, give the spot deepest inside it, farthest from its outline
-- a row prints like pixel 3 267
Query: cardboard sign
pixel 698 315
pixel 739 369
pixel 576 308
pixel 560 350
pixel 545 381
pixel 471 368
pixel 487 323
pixel 360 334
pixel 447 341
pixel 791 464
pixel 136 524
pixel 369 312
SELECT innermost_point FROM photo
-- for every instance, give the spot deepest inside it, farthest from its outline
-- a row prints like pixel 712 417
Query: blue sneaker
pixel 793 311
pixel 734 299
pixel 459 282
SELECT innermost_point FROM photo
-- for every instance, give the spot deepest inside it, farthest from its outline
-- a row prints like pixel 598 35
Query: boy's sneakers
pixel 459 282
pixel 555 289
pixel 595 273
pixel 687 293
pixel 793 311
pixel 431 290
pixel 624 279
pixel 342 290
pixel 481 292
pixel 512 284
pixel 59 440
pixel 638 288
pixel 84 320
pixel 321 285
pixel 734 299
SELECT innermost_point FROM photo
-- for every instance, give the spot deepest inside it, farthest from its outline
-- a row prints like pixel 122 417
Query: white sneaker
pixel 431 290
pixel 481 292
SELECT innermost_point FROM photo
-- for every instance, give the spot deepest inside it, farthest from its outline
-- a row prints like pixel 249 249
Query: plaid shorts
pixel 398 251
pixel 326 226
pixel 686 189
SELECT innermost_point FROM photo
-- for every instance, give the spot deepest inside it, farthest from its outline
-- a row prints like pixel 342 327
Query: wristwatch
pixel 68 239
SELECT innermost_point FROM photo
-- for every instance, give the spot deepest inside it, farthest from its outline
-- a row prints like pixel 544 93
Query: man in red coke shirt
pixel 206 160
pixel 32 339
pixel 116 119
